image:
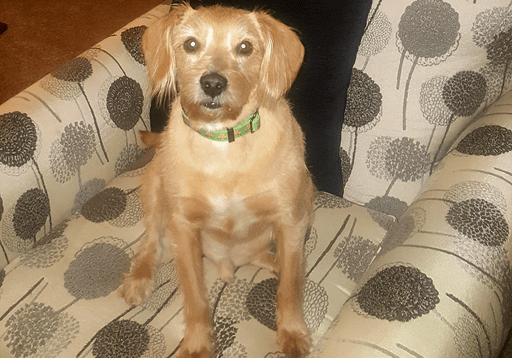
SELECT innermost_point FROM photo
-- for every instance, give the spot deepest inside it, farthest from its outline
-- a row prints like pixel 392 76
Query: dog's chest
pixel 231 216
pixel 234 231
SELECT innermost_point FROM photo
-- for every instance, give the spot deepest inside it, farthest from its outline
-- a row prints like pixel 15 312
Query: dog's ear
pixel 282 58
pixel 159 53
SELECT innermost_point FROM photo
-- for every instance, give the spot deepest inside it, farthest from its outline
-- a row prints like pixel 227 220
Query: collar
pixel 250 125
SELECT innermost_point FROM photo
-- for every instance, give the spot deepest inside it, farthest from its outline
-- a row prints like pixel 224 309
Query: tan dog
pixel 229 174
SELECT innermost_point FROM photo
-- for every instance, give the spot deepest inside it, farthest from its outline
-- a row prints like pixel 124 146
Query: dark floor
pixel 44 34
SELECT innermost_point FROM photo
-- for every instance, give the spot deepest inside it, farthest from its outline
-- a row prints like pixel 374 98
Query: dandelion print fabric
pixel 424 70
pixel 435 156
pixel 443 272
pixel 65 137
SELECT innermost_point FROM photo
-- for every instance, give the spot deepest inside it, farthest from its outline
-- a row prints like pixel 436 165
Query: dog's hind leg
pixel 226 270
pixel 268 261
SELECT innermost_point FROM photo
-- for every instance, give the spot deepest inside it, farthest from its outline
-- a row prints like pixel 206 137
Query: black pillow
pixel 330 31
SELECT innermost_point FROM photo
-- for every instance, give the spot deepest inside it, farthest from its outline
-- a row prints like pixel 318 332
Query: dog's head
pixel 221 59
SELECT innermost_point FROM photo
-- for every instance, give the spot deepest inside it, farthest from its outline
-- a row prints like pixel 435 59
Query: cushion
pixel 59 298
pixel 441 285
pixel 423 71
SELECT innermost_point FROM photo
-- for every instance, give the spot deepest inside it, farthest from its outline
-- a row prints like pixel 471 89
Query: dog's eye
pixel 244 48
pixel 191 45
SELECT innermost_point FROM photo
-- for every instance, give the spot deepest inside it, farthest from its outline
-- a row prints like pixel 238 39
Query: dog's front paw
pixel 204 353
pixel 197 341
pixel 135 290
pixel 295 343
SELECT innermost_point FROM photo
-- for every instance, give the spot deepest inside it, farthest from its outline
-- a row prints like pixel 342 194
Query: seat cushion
pixel 59 298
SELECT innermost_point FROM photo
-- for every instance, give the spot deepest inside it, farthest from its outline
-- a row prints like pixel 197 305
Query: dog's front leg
pixel 292 334
pixel 138 284
pixel 189 262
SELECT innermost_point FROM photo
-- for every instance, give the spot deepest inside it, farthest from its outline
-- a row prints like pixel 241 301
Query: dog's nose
pixel 213 84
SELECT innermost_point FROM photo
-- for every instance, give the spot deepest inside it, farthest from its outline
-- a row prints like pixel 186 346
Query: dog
pixel 229 176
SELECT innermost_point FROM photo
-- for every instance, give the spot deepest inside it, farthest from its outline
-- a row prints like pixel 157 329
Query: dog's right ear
pixel 159 53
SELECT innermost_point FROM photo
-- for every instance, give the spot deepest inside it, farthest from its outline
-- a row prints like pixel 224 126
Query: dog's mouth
pixel 212 104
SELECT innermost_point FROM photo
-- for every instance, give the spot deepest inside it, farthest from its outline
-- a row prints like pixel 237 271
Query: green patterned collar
pixel 250 125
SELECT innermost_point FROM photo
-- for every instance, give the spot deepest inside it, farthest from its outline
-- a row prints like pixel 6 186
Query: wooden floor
pixel 44 34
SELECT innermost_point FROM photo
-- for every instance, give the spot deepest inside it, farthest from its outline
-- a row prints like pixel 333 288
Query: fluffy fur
pixel 227 201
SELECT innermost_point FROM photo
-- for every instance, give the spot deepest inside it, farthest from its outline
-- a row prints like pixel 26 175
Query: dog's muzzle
pixel 213 85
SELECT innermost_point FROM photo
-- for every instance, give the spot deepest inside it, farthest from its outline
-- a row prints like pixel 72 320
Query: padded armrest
pixel 65 137
pixel 442 283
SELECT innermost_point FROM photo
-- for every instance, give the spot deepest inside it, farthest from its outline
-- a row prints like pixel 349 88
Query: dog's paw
pixel 135 290
pixel 197 341
pixel 204 353
pixel 295 343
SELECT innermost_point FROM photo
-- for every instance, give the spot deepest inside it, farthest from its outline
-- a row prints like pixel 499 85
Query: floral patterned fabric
pixel 64 138
pixel 425 69
pixel 436 283
pixel 441 285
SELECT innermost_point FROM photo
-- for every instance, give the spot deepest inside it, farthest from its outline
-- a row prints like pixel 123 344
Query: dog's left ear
pixel 282 59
